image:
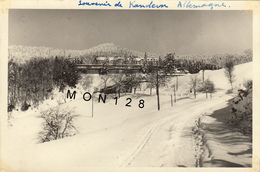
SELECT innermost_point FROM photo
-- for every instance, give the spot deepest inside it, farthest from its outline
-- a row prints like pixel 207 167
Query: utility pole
pixel 157 87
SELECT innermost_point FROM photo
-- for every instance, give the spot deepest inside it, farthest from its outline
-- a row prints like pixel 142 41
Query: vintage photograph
pixel 129 88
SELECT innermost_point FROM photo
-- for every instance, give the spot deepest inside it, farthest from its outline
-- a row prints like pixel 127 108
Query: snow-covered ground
pixel 224 147
pixel 120 136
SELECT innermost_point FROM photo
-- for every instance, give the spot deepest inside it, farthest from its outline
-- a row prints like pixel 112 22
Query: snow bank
pixel 224 147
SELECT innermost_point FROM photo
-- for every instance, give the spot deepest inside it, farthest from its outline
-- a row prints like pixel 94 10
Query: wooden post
pixel 174 91
pixel 177 83
pixel 203 75
pixel 171 100
pixel 92 115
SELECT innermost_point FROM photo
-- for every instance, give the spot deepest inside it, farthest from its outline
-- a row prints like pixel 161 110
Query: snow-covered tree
pixel 169 64
pixel 194 84
pixel 229 71
pixel 241 108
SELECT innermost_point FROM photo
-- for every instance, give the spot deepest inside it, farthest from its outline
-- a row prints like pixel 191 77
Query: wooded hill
pixel 21 54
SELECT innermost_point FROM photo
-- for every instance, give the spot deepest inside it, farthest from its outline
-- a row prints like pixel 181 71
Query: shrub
pixel 207 86
pixel 229 91
pixel 25 106
pixel 248 85
pixel 58 123
pixel 10 108
pixel 242 110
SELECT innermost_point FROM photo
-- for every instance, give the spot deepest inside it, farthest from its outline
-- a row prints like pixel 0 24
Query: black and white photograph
pixel 162 89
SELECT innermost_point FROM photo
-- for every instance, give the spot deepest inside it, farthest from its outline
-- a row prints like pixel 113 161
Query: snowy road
pixel 145 137
pixel 169 141
pixel 121 137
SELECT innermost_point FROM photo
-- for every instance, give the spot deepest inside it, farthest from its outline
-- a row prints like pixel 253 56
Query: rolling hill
pixel 22 54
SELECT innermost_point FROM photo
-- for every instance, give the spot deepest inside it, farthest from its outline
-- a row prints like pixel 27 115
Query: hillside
pixel 218 77
pixel 22 54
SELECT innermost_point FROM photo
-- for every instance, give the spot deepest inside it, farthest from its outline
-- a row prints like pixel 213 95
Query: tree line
pixel 31 83
pixel 215 60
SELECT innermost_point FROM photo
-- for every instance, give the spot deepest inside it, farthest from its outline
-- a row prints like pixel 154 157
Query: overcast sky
pixel 156 31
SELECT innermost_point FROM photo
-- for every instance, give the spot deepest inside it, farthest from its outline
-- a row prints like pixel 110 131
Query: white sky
pixel 156 31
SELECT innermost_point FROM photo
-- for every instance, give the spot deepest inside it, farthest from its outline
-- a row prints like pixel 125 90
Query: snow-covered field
pixel 120 136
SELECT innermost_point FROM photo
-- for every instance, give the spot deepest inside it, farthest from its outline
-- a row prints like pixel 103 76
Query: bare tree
pixel 118 80
pixel 86 81
pixel 229 71
pixel 58 123
pixel 105 79
pixel 152 80
pixel 194 83
pixel 133 81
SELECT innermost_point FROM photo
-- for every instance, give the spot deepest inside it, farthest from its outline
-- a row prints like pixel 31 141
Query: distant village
pixel 117 60
pixel 121 60
pixel 129 64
